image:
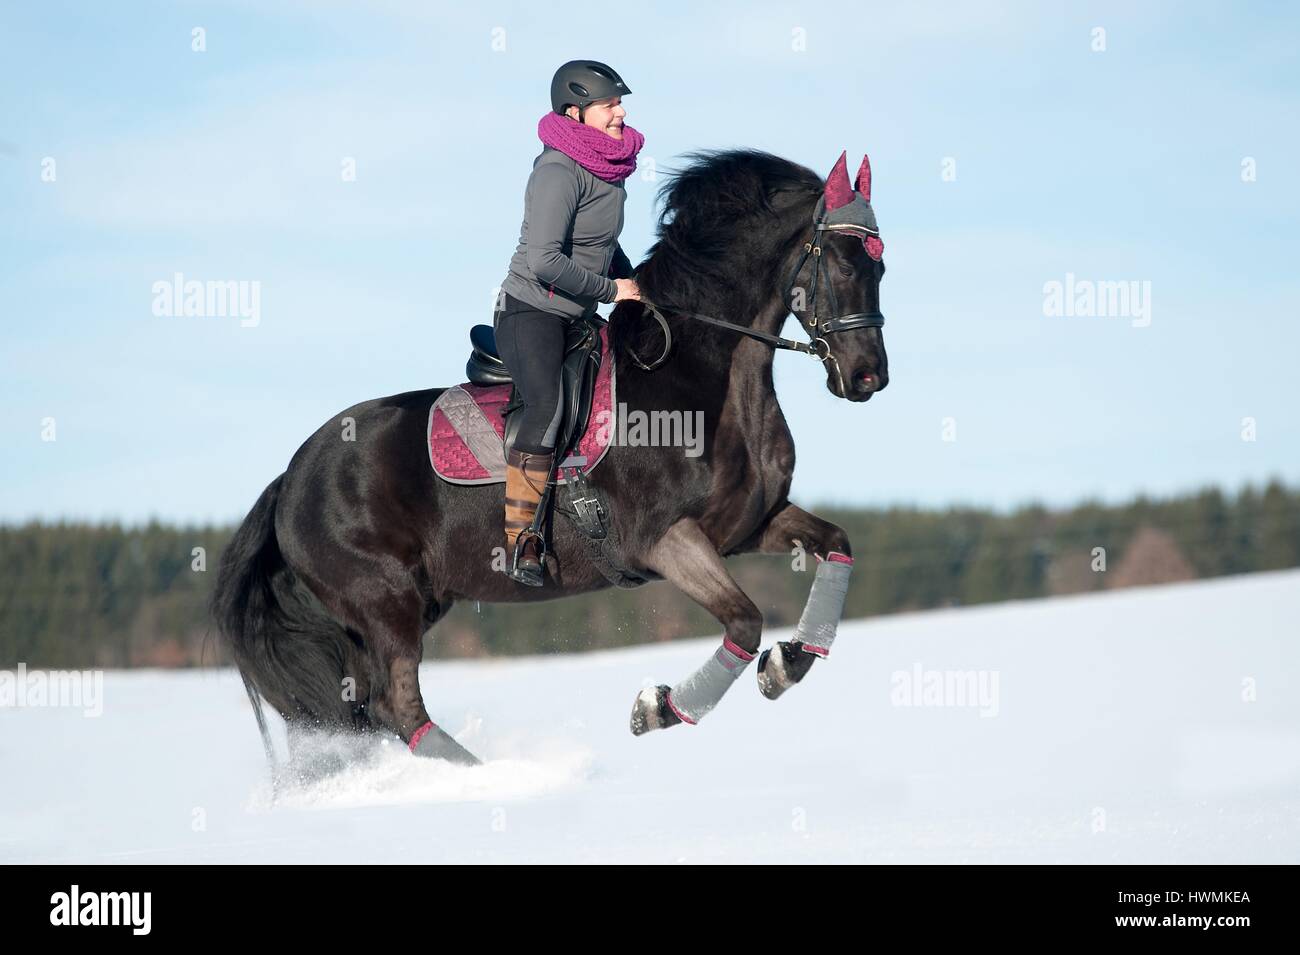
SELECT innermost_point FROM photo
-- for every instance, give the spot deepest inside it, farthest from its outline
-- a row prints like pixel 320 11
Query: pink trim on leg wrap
pixel 734 648
pixel 419 735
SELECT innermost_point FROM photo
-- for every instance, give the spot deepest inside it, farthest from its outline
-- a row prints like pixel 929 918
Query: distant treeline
pixel 79 595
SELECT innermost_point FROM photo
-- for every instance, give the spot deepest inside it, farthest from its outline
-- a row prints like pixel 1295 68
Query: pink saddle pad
pixel 467 432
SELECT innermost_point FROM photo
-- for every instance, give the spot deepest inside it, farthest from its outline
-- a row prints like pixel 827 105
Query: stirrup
pixel 529 574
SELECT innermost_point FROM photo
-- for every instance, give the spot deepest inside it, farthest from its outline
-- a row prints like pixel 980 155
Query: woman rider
pixel 568 261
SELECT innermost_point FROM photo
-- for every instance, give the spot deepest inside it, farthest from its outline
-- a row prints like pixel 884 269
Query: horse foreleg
pixel 687 557
pixel 789 661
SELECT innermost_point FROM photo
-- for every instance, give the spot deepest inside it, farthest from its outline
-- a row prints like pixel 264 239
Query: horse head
pixel 837 297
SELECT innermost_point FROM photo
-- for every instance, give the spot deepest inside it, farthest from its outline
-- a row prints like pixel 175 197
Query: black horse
pixel 328 586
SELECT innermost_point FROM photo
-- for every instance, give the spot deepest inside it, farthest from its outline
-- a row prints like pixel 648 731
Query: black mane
pixel 717 219
pixel 713 208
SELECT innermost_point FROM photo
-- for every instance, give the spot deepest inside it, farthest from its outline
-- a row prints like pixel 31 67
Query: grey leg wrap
pixel 821 615
pixel 433 742
pixel 695 696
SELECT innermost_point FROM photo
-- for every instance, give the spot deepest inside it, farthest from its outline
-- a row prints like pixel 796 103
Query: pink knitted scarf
pixel 605 157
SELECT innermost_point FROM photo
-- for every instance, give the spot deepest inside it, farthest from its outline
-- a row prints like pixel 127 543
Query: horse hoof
pixel 779 671
pixel 652 712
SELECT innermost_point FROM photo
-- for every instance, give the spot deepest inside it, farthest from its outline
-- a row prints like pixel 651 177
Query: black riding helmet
pixel 581 82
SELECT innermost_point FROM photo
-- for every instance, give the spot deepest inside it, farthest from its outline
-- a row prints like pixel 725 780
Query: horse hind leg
pixel 401 707
pixel 394 640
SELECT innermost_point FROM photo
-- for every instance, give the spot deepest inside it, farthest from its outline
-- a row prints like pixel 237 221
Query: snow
pixel 1145 725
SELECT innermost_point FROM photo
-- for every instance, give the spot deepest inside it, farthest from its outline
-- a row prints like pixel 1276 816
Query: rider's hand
pixel 627 289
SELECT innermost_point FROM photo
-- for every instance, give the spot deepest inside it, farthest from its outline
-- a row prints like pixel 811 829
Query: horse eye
pixel 846 270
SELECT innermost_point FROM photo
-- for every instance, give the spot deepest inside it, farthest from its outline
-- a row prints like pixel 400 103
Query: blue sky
pixel 1121 165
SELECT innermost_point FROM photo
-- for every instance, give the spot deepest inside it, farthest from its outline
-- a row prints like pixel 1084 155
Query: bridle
pixel 818 345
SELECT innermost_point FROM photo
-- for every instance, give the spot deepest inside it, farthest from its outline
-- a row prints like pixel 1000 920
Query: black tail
pixel 283 640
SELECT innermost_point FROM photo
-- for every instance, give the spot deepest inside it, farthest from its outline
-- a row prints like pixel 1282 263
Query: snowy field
pixel 1152 725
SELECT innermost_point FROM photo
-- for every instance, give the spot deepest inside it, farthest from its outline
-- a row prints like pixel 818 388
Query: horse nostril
pixel 868 380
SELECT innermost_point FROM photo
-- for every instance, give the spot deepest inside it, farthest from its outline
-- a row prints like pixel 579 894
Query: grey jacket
pixel 568 254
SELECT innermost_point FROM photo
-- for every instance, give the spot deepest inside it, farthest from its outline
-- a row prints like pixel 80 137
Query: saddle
pixel 471 425
pixel 583 350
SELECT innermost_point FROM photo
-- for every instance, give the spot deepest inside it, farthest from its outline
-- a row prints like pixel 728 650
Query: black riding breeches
pixel 531 343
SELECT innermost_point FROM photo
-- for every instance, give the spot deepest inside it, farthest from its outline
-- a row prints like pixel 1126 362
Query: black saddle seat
pixel 485 366
pixel 484 340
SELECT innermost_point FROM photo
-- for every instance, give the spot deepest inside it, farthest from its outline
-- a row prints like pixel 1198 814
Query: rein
pixel 775 341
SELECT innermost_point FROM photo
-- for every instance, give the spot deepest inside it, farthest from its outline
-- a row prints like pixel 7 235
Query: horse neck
pixel 722 362
pixel 750 388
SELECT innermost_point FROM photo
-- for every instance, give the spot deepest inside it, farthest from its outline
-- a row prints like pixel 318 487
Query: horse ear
pixel 838 190
pixel 862 183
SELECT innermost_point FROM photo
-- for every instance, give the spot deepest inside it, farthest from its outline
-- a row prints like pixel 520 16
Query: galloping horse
pixel 328 586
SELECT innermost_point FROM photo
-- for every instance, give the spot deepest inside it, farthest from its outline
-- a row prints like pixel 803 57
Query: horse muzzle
pixel 863 383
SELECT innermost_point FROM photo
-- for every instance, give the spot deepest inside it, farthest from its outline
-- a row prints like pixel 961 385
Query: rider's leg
pixel 526 477
pixel 531 343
